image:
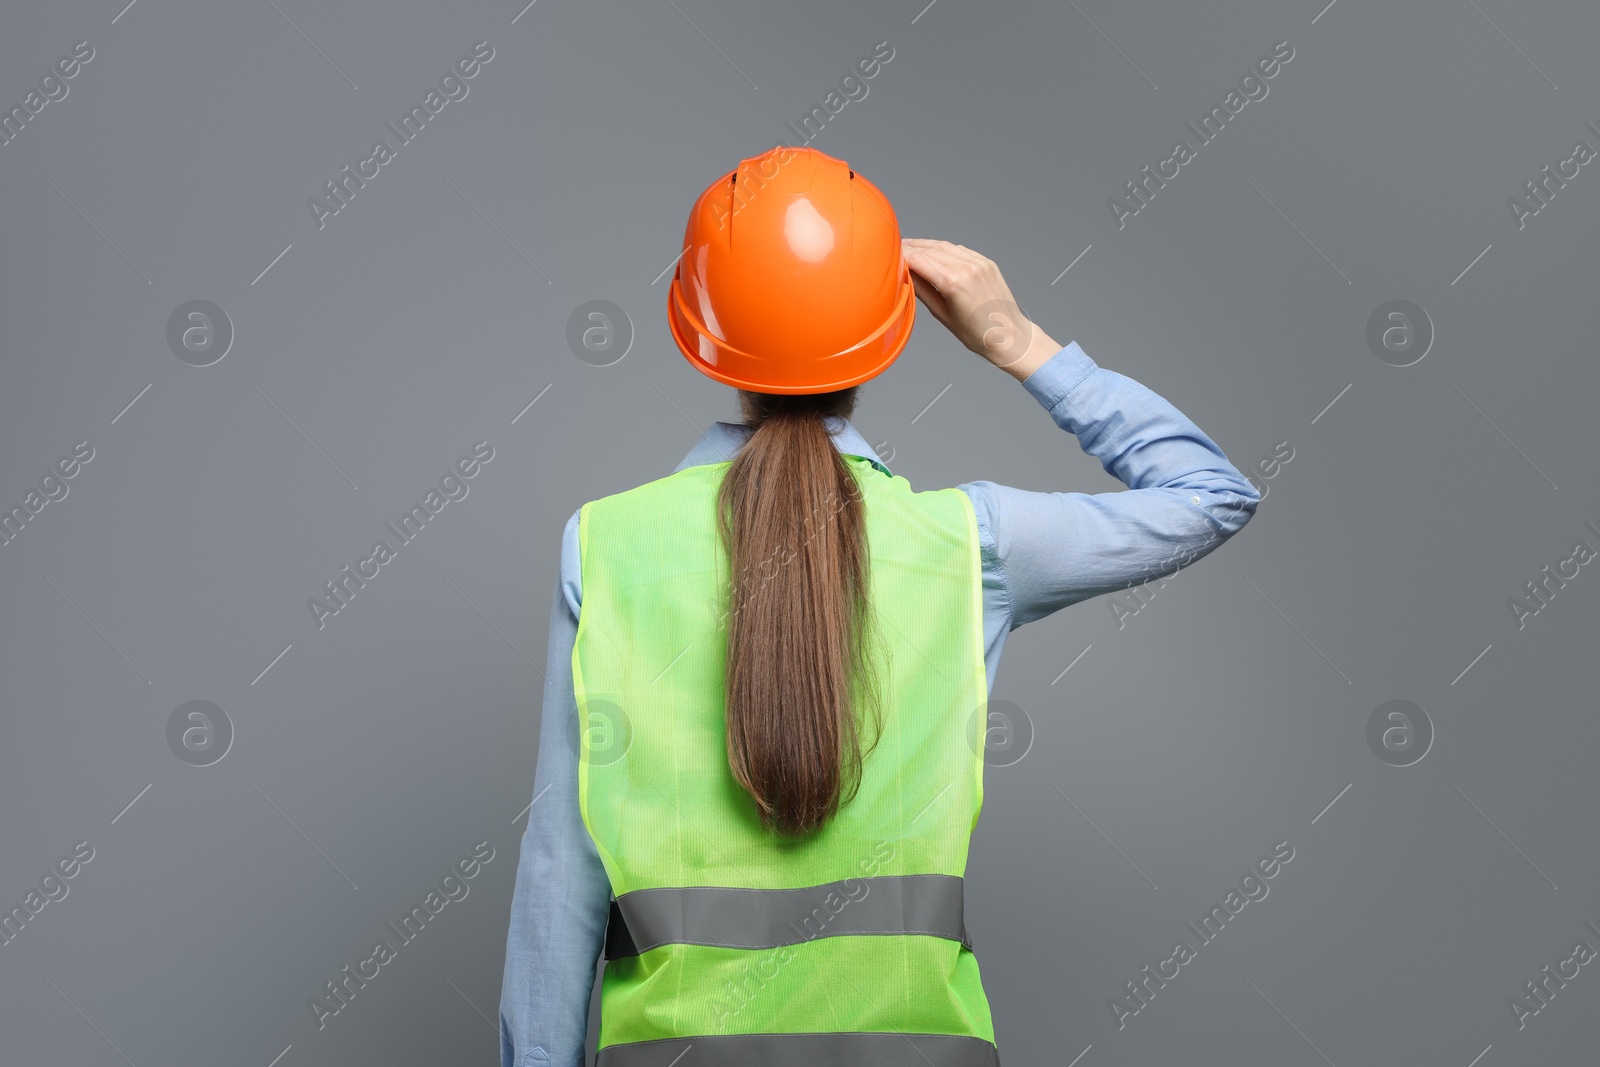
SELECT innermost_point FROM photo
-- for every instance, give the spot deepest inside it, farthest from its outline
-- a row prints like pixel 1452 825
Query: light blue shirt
pixel 1040 552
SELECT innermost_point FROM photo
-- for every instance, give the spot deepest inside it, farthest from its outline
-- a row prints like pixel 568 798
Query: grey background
pixel 1227 715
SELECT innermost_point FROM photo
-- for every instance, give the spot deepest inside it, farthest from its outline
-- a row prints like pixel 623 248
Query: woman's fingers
pixel 974 302
pixel 924 261
pixel 926 291
pixel 953 252
pixel 920 267
pixel 968 254
pixel 931 300
pixel 937 262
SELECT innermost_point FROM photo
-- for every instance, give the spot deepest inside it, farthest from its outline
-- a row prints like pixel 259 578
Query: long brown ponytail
pixel 800 638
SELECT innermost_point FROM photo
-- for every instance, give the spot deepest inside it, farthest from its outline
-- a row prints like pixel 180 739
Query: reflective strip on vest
pixel 804 1050
pixel 880 971
pixel 767 918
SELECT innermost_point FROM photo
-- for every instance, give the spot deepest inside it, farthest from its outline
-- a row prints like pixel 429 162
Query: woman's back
pixel 852 928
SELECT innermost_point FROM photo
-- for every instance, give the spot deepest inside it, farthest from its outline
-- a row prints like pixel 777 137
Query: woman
pixel 765 705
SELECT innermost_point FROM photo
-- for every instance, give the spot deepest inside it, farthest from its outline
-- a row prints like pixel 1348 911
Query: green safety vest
pixel 726 941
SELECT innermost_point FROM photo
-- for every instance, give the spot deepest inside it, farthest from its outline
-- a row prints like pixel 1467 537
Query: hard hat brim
pixel 745 370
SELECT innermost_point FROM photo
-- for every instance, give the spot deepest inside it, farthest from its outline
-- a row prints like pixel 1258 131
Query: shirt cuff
pixel 1057 376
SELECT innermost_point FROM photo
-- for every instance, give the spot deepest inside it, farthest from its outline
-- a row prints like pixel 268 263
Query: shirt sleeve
pixel 562 897
pixel 1184 498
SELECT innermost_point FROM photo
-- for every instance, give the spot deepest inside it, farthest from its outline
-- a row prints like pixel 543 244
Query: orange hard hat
pixel 792 278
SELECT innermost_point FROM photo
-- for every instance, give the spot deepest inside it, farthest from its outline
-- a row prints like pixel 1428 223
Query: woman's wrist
pixel 1041 346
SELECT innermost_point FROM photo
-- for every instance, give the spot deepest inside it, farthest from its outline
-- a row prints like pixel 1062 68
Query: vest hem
pixel 835 1049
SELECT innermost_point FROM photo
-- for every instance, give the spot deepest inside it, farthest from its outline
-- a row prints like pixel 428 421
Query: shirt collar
pixel 719 443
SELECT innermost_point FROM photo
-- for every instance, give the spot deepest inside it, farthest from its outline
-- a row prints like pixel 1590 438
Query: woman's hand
pixel 966 292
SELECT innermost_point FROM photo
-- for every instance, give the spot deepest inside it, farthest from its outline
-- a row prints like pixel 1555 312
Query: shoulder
pixel 639 501
pixel 571 580
pixel 666 485
pixel 926 510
